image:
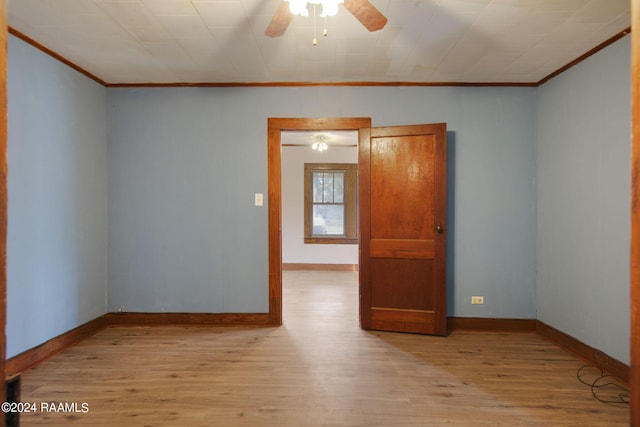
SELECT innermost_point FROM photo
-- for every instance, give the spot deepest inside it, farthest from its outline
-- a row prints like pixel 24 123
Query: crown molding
pixel 307 84
pixel 586 55
pixel 55 55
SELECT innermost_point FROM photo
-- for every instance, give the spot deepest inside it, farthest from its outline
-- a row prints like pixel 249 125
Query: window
pixel 330 203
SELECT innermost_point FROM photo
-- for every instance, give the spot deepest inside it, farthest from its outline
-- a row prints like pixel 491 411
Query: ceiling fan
pixel 362 10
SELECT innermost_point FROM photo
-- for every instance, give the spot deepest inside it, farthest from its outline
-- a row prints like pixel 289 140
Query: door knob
pixel 439 229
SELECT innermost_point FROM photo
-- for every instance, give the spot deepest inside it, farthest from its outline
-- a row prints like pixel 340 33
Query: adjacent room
pixel 167 263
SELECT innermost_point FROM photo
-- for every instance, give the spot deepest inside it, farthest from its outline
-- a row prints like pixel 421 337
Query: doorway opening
pixel 320 227
pixel 319 201
pixel 288 126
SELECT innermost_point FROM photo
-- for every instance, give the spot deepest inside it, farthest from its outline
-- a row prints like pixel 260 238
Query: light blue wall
pixel 583 201
pixel 184 164
pixel 56 243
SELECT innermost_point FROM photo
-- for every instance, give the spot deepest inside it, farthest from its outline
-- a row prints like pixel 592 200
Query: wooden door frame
pixel 274 177
pixel 3 194
pixel 634 377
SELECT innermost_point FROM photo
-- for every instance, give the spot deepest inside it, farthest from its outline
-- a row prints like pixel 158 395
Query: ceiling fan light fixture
pixel 299 7
pixel 370 17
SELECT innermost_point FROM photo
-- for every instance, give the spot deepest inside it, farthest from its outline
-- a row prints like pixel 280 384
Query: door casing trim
pixel 274 188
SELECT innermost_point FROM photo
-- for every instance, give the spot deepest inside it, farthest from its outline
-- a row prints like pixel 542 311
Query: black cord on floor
pixel 603 389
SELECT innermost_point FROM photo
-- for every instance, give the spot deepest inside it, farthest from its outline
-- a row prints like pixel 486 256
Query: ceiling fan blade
pixel 366 13
pixel 280 21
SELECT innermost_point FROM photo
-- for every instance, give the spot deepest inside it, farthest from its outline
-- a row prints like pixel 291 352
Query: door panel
pixel 398 284
pixel 401 178
pixel 403 224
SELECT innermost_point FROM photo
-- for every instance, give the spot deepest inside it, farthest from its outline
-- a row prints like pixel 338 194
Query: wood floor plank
pixel 318 369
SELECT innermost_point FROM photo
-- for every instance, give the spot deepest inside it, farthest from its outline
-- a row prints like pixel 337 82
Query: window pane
pixel 327 193
pixel 317 187
pixel 328 219
pixel 338 187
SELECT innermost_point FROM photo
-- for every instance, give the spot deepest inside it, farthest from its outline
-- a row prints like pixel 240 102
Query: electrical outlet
pixel 477 300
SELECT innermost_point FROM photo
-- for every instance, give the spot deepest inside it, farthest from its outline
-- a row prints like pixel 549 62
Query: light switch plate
pixel 259 199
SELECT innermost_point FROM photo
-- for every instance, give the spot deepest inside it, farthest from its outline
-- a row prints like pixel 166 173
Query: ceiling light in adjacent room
pixel 319 142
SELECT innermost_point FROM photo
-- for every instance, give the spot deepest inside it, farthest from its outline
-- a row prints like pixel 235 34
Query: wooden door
pixel 402 177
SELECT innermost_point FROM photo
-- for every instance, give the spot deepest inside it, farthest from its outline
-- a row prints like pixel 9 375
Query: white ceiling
pixel 223 41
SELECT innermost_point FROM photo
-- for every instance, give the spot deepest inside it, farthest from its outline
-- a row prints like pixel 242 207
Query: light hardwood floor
pixel 319 369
